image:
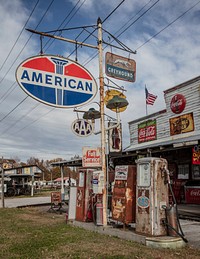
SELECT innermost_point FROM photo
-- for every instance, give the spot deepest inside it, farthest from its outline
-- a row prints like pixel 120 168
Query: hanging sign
pixel 82 128
pixel 56 81
pixel 114 137
pixel 120 67
pixel 109 94
pixel 91 157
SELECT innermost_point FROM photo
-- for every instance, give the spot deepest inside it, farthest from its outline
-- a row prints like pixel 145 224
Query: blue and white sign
pixel 82 128
pixel 56 81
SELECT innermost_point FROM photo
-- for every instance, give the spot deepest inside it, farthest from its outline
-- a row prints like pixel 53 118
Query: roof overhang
pixel 170 143
pixel 70 163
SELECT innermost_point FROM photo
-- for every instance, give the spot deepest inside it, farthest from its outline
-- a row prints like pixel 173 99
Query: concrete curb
pixel 156 242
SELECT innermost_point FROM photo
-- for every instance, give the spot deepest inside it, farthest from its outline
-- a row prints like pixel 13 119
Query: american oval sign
pixel 56 81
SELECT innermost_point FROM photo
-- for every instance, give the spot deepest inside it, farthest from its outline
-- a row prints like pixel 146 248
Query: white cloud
pixel 170 58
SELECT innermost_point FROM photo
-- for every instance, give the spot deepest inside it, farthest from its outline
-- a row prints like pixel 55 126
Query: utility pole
pixel 101 92
pixel 2 186
pixel 102 121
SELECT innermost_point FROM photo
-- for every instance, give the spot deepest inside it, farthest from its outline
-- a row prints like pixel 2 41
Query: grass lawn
pixel 35 233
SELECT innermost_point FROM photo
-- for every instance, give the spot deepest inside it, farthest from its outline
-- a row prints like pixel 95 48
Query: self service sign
pixel 56 81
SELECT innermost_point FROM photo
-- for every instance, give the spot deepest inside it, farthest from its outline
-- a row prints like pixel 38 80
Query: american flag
pixel 150 98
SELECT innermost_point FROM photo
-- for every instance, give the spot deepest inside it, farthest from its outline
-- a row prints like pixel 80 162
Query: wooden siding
pixel 191 91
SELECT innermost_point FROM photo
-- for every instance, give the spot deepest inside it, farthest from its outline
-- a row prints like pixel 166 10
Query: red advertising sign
pixel 178 103
pixel 91 157
pixel 192 195
pixel 195 157
pixel 147 131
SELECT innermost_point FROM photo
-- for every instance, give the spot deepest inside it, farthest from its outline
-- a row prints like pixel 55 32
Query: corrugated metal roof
pixel 75 162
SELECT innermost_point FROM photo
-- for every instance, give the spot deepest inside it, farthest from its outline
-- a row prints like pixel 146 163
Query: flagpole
pixel 146 100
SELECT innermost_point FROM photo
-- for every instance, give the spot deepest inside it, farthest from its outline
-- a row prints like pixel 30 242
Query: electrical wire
pixel 26 42
pixel 66 22
pixel 14 109
pixel 93 56
pixel 34 121
pixel 168 25
pixel 91 33
pixel 18 120
pixel 19 35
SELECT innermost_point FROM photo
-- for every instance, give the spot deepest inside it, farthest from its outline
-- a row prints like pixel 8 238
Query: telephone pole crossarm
pixel 63 39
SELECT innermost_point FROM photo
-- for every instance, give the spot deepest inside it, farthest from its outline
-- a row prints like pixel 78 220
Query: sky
pixel 164 34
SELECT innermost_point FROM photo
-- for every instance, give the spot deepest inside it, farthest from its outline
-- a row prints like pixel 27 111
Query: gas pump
pixel 84 192
pixel 98 185
pixel 151 196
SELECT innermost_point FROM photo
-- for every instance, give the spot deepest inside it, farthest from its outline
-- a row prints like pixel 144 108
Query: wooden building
pixel 174 134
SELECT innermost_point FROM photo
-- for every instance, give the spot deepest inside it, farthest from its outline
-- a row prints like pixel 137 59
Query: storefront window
pixel 183 171
pixel 195 172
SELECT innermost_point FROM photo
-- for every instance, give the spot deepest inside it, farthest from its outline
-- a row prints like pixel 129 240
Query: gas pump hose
pixel 182 236
pixel 175 203
pixel 176 210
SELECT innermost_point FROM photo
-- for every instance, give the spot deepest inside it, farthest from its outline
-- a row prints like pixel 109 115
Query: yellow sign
pixel 181 124
pixel 109 94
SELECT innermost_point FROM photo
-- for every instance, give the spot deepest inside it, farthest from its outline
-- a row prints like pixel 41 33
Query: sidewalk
pixel 19 202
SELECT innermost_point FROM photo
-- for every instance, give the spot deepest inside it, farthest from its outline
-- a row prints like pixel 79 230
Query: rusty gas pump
pixel 151 196
pixel 154 215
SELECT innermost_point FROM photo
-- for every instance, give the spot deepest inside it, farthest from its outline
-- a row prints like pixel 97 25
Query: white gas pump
pixel 98 185
pixel 151 196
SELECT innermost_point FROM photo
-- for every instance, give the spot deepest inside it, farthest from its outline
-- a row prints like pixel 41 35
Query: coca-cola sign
pixel 193 195
pixel 147 131
pixel 178 103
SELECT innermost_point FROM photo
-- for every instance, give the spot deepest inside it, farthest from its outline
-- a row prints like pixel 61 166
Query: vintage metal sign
pixel 121 172
pixel 120 67
pixel 82 128
pixel 56 81
pixel 178 103
pixel 147 131
pixel 91 157
pixel 181 124
pixel 115 137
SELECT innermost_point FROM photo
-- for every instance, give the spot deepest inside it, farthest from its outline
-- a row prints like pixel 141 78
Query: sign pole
pixel 2 186
pixel 102 121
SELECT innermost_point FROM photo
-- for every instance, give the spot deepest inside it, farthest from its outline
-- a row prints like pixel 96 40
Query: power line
pixel 13 109
pixel 18 120
pixel 91 58
pixel 139 16
pixel 168 25
pixel 65 20
pixel 19 35
pixel 26 42
pixel 34 121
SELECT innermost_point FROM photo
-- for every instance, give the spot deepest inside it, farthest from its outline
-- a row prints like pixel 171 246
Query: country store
pixel 173 134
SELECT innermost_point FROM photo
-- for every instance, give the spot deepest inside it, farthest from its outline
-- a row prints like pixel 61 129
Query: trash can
pixel 192 192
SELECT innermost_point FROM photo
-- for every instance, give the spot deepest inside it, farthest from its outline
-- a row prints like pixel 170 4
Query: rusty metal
pixel 124 198
pixel 152 196
pixel 172 221
pixel 84 194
